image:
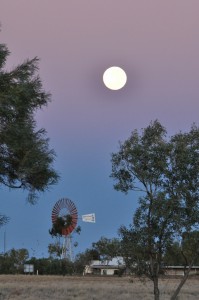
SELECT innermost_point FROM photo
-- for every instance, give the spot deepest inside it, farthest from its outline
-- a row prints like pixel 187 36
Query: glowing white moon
pixel 114 78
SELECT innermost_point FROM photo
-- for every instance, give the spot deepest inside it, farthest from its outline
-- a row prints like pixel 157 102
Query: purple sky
pixel 155 42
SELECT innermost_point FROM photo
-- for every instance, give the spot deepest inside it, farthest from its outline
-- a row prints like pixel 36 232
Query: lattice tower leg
pixel 67 249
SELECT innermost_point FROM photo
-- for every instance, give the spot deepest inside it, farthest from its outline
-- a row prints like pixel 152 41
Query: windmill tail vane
pixel 90 218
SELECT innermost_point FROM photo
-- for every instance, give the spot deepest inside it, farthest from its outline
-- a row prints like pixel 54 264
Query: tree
pixel 84 259
pixel 182 253
pixel 19 256
pixel 107 248
pixel 145 243
pixel 190 247
pixel 55 250
pixel 25 158
pixel 173 255
pixel 12 261
pixel 166 172
pixel 3 220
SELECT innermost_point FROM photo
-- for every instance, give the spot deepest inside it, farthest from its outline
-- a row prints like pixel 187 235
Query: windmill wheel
pixel 65 209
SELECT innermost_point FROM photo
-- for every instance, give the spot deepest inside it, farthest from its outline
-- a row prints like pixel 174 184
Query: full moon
pixel 114 78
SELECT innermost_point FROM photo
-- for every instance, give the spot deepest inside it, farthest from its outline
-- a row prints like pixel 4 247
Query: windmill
pixel 64 220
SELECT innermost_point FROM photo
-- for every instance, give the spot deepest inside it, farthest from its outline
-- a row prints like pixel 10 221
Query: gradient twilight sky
pixel 155 42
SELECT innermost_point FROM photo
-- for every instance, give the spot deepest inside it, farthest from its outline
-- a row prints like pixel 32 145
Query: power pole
pixel 4 242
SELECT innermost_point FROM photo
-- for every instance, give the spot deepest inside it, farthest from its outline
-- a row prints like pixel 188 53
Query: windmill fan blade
pixel 69 209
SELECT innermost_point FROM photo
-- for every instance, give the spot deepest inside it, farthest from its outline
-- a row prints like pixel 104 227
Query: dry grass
pixel 20 287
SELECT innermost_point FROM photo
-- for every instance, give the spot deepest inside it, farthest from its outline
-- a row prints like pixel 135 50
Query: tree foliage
pixel 85 258
pixel 182 253
pixel 61 224
pixel 107 248
pixel 25 158
pixel 19 256
pixel 166 172
pixel 55 250
pixel 3 220
pixel 173 255
pixel 12 261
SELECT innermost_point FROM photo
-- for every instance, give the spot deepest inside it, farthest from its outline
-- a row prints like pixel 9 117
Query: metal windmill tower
pixel 65 211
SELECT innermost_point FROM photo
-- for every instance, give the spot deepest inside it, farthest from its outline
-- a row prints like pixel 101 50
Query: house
pixel 106 267
pixel 117 266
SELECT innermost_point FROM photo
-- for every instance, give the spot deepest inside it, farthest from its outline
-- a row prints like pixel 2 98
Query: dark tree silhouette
pixel 26 162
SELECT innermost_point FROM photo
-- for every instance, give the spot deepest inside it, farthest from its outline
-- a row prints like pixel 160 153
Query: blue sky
pixel 156 42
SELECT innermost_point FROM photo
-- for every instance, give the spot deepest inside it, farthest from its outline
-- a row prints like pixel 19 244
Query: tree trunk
pixel 156 289
pixel 155 276
pixel 182 282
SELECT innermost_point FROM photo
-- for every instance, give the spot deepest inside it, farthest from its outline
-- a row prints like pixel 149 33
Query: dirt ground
pixel 33 287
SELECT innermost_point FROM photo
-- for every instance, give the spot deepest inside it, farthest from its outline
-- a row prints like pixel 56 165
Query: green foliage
pixel 55 250
pixel 166 171
pixel 84 259
pixel 190 247
pixel 182 254
pixel 3 220
pixel 54 266
pixel 141 160
pixel 107 248
pixel 173 255
pixel 7 265
pixel 60 224
pixel 87 256
pixel 18 256
pixel 25 158
pixel 134 250
pixel 12 261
